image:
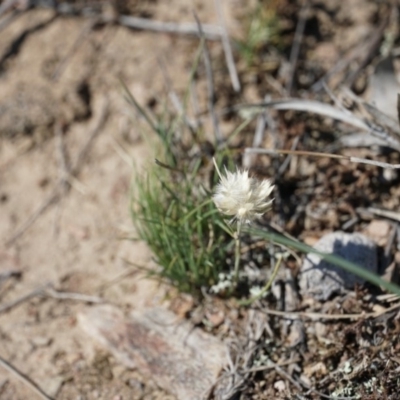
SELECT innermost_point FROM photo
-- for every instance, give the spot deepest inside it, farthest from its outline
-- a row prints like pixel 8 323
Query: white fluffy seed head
pixel 242 197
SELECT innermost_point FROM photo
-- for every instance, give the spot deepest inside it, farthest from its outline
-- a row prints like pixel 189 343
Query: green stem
pixel 267 286
pixel 331 258
pixel 237 254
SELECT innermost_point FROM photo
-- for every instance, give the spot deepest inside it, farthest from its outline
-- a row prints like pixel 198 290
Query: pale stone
pixel 320 279
pixel 181 359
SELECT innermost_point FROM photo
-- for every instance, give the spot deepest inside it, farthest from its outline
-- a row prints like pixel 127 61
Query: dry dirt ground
pixel 58 73
pixel 69 141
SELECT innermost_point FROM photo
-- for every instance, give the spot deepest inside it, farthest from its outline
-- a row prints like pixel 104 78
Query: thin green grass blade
pixel 333 259
pixel 138 107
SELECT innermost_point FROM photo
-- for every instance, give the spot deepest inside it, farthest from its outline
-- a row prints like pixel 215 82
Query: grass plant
pixel 192 242
pixel 174 214
pixel 181 225
pixel 262 30
pixel 172 209
pixel 331 258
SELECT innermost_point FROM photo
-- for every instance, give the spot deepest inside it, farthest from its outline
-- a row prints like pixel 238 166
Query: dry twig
pixel 311 106
pixel 273 365
pixel 388 136
pixel 329 317
pixel 63 171
pixel 24 379
pixel 298 37
pixel 50 200
pixel 287 160
pixel 367 46
pixel 87 28
pixel 227 48
pixel 210 32
pixel 59 188
pixel 248 159
pixel 210 84
pixel 104 110
pixel 48 291
pixel 176 102
pixel 357 160
pixel 369 50
pixel 36 292
pixel 286 376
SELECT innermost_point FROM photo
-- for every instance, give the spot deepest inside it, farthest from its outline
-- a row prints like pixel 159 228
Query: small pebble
pixel 41 341
pixel 378 231
pixel 52 385
pixel 280 386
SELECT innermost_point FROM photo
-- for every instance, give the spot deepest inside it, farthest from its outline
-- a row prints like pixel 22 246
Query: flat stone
pixel 320 279
pixel 52 385
pixel 179 358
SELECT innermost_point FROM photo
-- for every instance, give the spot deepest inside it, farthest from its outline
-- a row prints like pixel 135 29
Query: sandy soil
pixel 77 244
pixel 60 86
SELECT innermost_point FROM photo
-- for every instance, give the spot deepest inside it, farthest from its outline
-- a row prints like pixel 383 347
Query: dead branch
pixel 248 159
pixel 286 376
pixel 210 32
pixel 388 136
pixel 87 28
pixel 298 38
pixel 24 379
pixel 175 100
pixel 104 110
pixel 58 190
pixel 251 150
pixel 226 44
pixel 50 292
pixel 210 83
pixel 328 317
pixel 36 292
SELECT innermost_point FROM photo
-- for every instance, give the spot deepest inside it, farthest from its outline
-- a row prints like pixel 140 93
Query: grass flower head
pixel 241 196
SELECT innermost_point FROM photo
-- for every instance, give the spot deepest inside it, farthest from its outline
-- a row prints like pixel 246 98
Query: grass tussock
pixel 171 204
pixel 173 213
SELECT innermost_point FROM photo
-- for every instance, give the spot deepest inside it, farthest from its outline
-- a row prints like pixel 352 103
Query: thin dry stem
pixel 210 84
pixel 59 190
pixel 298 38
pixel 87 28
pixel 267 286
pixel 391 139
pixel 292 315
pixel 216 167
pixel 328 155
pixel 227 48
pixel 176 102
pixel 237 254
pixel 48 291
pixel 24 379
pixel 209 32
pixel 248 159
pixel 9 306
pixel 72 296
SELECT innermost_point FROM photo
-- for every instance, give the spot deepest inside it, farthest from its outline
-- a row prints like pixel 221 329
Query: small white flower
pixel 256 291
pixel 242 197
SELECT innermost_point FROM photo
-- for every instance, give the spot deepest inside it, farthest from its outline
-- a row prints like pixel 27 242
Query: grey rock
pixel 320 279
